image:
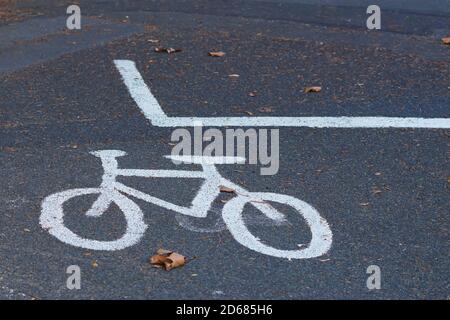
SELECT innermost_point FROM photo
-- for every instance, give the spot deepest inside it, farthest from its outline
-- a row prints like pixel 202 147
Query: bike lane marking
pixel 53 212
pixel 152 110
pixel 110 191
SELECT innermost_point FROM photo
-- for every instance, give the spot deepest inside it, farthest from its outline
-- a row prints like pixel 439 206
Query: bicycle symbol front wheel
pixel 321 234
pixel 52 219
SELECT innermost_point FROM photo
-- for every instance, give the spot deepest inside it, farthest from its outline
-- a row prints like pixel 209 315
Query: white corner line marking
pixel 153 112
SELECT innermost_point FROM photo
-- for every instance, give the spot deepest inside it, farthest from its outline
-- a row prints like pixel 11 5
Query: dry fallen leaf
pixel 166 50
pixel 150 27
pixel 376 190
pixel 446 40
pixel 252 94
pixel 174 260
pixel 265 109
pixel 172 50
pixel 158 260
pixel 312 89
pixel 216 53
pixel 9 149
pixel 226 189
pixel 167 259
pixel 8 124
pixel 94 264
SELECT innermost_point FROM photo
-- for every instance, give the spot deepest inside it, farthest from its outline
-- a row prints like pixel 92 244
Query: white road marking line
pixel 153 112
pixel 138 89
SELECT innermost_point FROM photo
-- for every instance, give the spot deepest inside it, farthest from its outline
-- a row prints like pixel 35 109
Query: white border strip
pixel 153 112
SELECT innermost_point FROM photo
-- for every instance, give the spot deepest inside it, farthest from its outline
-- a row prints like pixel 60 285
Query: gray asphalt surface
pixel 384 192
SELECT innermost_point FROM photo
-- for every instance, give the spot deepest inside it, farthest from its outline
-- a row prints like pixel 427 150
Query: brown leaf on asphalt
pixel 166 50
pixel 167 259
pixel 172 50
pixel 226 189
pixel 265 109
pixel 312 89
pixel 150 27
pixel 376 190
pixel 158 260
pixel 160 257
pixel 216 53
pixel 9 149
pixel 446 40
pixel 174 260
pixel 8 124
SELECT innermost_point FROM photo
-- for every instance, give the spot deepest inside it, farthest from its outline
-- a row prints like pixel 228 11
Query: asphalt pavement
pixel 383 191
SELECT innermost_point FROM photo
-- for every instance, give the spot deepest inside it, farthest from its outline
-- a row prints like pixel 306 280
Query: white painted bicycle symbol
pixel 111 191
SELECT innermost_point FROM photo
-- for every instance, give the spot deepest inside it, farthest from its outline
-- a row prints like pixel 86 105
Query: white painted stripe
pixel 207 160
pixel 153 112
pixel 138 89
pixel 311 122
